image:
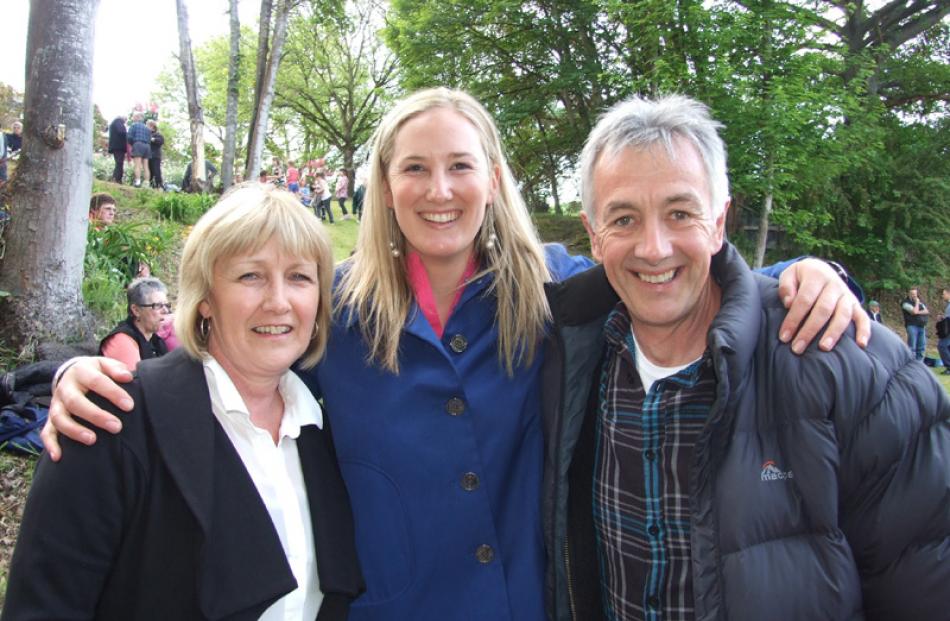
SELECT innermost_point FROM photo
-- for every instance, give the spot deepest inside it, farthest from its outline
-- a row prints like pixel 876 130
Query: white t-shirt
pixel 649 372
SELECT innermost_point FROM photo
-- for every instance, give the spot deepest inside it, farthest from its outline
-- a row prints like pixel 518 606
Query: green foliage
pixel 183 208
pixel 102 166
pixel 103 288
pixel 113 257
pixel 11 105
pixel 335 81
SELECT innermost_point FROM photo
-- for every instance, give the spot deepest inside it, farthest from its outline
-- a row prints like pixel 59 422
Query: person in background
pixel 10 145
pixel 118 145
pixel 342 191
pixel 15 138
pixel 432 370
pixel 135 338
pixel 3 159
pixel 156 141
pixel 101 210
pixel 696 467
pixel 210 171
pixel 943 333
pixel 874 309
pixel 325 196
pixel 916 316
pixel 358 195
pixel 139 138
pixel 293 177
pixel 222 497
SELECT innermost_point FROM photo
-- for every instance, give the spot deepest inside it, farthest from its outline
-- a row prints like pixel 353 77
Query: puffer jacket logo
pixel 771 472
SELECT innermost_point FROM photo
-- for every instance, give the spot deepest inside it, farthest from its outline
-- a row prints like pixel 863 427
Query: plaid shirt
pixel 138 132
pixel 641 480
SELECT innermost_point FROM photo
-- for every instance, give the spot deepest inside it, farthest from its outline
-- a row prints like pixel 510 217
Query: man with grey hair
pixel 696 467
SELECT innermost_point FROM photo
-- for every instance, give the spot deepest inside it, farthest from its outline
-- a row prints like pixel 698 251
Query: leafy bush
pixel 184 208
pixel 102 166
pixel 103 289
pixel 113 257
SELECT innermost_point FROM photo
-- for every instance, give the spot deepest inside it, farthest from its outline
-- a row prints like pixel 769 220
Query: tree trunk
pixel 763 238
pixel 268 59
pixel 555 193
pixel 263 46
pixel 49 194
pixel 195 114
pixel 230 123
pixel 262 106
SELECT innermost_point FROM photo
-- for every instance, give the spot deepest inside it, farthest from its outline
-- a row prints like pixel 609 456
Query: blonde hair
pixel 245 219
pixel 375 286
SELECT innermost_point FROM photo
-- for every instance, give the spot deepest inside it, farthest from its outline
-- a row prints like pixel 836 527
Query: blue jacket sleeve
pixel 562 264
pixel 776 269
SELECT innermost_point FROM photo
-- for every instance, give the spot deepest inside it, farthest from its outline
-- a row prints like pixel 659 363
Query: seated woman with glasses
pixel 136 337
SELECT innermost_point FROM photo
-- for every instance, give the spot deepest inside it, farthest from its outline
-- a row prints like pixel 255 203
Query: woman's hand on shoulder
pixel 80 376
pixel 816 297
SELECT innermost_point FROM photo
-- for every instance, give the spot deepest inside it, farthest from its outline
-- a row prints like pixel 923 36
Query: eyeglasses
pixel 157 306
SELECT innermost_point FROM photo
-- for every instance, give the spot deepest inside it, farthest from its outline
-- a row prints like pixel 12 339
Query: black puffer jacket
pixel 820 487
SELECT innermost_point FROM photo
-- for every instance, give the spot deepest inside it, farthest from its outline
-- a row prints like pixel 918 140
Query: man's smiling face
pixel 655 232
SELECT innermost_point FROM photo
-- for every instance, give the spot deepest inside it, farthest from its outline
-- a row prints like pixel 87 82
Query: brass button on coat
pixel 458 344
pixel 470 481
pixel 485 553
pixel 455 406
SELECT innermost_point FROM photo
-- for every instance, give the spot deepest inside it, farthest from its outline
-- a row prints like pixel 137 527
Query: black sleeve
pixel 72 529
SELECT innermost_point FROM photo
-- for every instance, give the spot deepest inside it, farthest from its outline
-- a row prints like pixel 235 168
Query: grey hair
pixel 641 123
pixel 139 290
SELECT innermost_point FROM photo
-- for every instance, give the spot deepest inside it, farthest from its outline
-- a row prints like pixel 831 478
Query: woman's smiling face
pixel 438 184
pixel 263 307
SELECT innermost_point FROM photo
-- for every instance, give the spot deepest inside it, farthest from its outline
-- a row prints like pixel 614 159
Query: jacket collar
pixel 735 329
pixel 184 434
pixel 239 570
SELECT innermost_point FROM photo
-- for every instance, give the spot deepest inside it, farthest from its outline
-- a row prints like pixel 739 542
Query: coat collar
pixel 735 329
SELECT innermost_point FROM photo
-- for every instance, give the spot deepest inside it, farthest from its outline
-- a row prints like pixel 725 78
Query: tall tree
pixel 195 114
pixel 49 196
pixel 264 93
pixel 338 75
pixel 260 66
pixel 234 69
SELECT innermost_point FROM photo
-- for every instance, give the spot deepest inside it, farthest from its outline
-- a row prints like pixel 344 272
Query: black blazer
pixel 163 521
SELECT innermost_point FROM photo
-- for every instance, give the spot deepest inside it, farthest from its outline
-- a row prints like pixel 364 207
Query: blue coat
pixel 443 465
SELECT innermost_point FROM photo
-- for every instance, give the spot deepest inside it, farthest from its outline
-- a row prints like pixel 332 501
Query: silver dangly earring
pixel 204 328
pixel 393 237
pixel 491 240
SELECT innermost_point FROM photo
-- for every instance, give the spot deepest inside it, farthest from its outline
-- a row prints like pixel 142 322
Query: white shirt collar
pixel 300 407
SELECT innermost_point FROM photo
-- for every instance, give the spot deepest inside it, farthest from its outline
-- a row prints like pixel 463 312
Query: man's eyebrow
pixel 682 197
pixel 618 205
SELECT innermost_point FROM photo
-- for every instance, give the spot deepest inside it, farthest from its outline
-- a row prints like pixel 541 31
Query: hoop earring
pixel 316 328
pixel 488 228
pixel 393 236
pixel 204 328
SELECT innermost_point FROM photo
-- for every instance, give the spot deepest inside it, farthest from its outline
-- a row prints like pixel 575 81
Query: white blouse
pixel 276 472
